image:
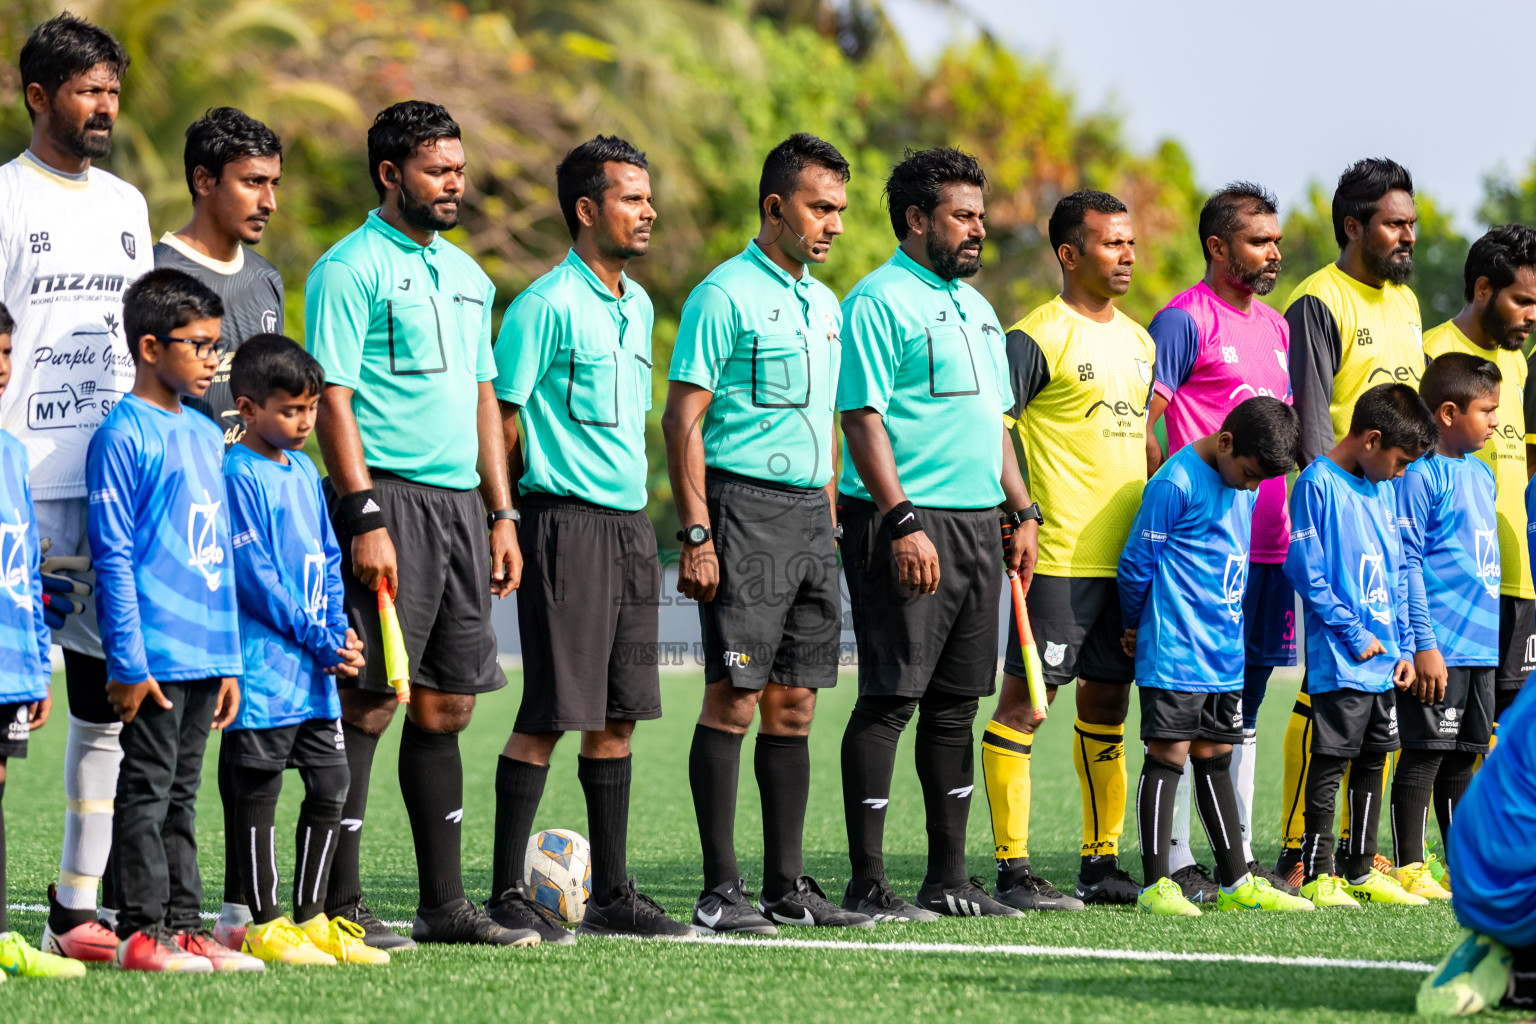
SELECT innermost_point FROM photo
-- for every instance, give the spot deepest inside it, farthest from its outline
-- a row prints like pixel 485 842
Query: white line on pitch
pixel 1065 952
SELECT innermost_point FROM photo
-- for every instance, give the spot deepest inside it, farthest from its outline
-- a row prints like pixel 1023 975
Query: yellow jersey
pixel 1505 453
pixel 1347 337
pixel 1081 390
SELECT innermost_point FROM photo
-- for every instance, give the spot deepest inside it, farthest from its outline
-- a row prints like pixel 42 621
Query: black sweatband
pixel 359 512
pixel 901 520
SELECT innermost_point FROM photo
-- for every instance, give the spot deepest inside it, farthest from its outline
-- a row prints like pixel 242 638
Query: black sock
pixel 1011 871
pixel 519 787
pixel 231 833
pixel 783 769
pixel 945 752
pixel 1323 775
pixel 1451 784
pixel 5 923
pixel 1154 815
pixel 1216 799
pixel 432 787
pixel 346 887
pixel 714 766
pixel 1365 773
pixel 1412 787
pixel 605 781
pixel 255 801
pixel 325 793
pixel 869 761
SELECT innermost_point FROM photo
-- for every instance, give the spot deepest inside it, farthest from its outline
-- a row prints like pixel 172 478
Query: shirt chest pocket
pixel 951 362
pixel 781 371
pixel 592 386
pixel 417 333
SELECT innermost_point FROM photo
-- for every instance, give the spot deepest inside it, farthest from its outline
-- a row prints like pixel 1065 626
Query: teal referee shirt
pixel 576 360
pixel 408 328
pixel 767 346
pixel 927 355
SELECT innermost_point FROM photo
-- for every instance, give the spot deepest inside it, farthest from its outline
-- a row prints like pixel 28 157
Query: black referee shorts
pixel 588 611
pixel 444 554
pixel 909 643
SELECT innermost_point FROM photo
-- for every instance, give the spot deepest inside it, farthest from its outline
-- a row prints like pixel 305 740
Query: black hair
pixel 7 322
pixel 920 178
pixel 1267 429
pixel 222 136
pixel 398 130
pixel 1498 255
pixel 581 173
pixel 786 161
pixel 1066 225
pixel 1400 414
pixel 163 300
pixel 1223 213
pixel 1361 187
pixel 265 363
pixel 1459 377
pixel 63 47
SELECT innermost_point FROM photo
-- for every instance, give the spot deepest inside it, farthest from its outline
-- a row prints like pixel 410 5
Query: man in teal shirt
pixel 573 368
pixel 401 321
pixel 927 464
pixel 750 448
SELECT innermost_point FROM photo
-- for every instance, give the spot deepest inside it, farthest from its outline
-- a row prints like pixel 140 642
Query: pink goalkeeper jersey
pixel 1210 357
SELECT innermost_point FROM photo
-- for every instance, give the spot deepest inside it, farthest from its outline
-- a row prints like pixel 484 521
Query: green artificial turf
pixel 618 980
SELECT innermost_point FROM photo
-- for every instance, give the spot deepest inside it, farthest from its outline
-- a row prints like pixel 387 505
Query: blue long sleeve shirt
pixel 24 637
pixel 1182 576
pixel 288 577
pixel 1450 532
pixel 1346 562
pixel 159 532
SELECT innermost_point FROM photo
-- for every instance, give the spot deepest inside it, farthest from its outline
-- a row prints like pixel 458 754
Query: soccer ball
pixel 557 873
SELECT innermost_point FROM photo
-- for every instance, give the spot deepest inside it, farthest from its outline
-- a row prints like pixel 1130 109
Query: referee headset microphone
pixel 776 211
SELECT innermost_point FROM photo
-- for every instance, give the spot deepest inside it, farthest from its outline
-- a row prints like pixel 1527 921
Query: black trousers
pixel 154 842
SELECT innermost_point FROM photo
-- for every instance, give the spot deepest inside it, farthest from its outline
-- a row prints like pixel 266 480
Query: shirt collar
pixel 922 273
pixel 579 265
pixel 754 252
pixel 400 238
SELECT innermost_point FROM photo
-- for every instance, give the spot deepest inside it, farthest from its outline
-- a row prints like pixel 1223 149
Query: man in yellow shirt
pixel 1354 324
pixel 1499 315
pixel 1081 372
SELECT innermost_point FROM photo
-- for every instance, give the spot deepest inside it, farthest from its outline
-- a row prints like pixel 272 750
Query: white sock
pixel 1179 854
pixel 235 914
pixel 1230 889
pixel 1244 760
pixel 92 753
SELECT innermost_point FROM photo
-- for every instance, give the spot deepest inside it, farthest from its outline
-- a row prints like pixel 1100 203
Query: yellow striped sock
pixel 1296 749
pixel 1005 772
pixel 1100 758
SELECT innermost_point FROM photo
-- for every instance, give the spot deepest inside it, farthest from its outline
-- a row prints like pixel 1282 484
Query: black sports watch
pixel 1025 514
pixel 493 518
pixel 694 535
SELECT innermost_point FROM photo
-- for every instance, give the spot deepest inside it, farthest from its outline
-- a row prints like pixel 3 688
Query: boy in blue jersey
pixel 294 634
pixel 1448 521
pixel 165 599
pixel 25 697
pixel 1182 577
pixel 1346 562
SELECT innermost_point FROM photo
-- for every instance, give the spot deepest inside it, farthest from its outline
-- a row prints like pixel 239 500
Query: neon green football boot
pixel 1327 892
pixel 1258 894
pixel 1165 898
pixel 1472 977
pixel 1419 879
pixel 1382 888
pixel 21 958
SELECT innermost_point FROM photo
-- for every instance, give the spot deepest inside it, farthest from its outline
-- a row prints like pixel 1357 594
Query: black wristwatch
pixel 694 535
pixel 1025 514
pixel 493 518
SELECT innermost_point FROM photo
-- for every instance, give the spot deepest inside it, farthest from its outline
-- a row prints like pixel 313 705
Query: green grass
pixel 615 980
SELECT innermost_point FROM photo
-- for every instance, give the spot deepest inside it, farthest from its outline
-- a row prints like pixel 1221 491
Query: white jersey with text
pixel 69 247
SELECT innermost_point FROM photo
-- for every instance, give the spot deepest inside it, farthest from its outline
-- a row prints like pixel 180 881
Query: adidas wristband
pixel 359 513
pixel 902 520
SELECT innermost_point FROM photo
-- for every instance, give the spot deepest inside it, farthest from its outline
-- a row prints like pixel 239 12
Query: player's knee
pixel 1102 703
pixel 258 785
pixel 885 713
pixel 2 772
pixel 325 791
pixel 947 716
pixel 367 711
pixel 531 747
pixel 1172 752
pixel 788 710
pixel 448 715
pixel 1457 766
pixel 728 708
